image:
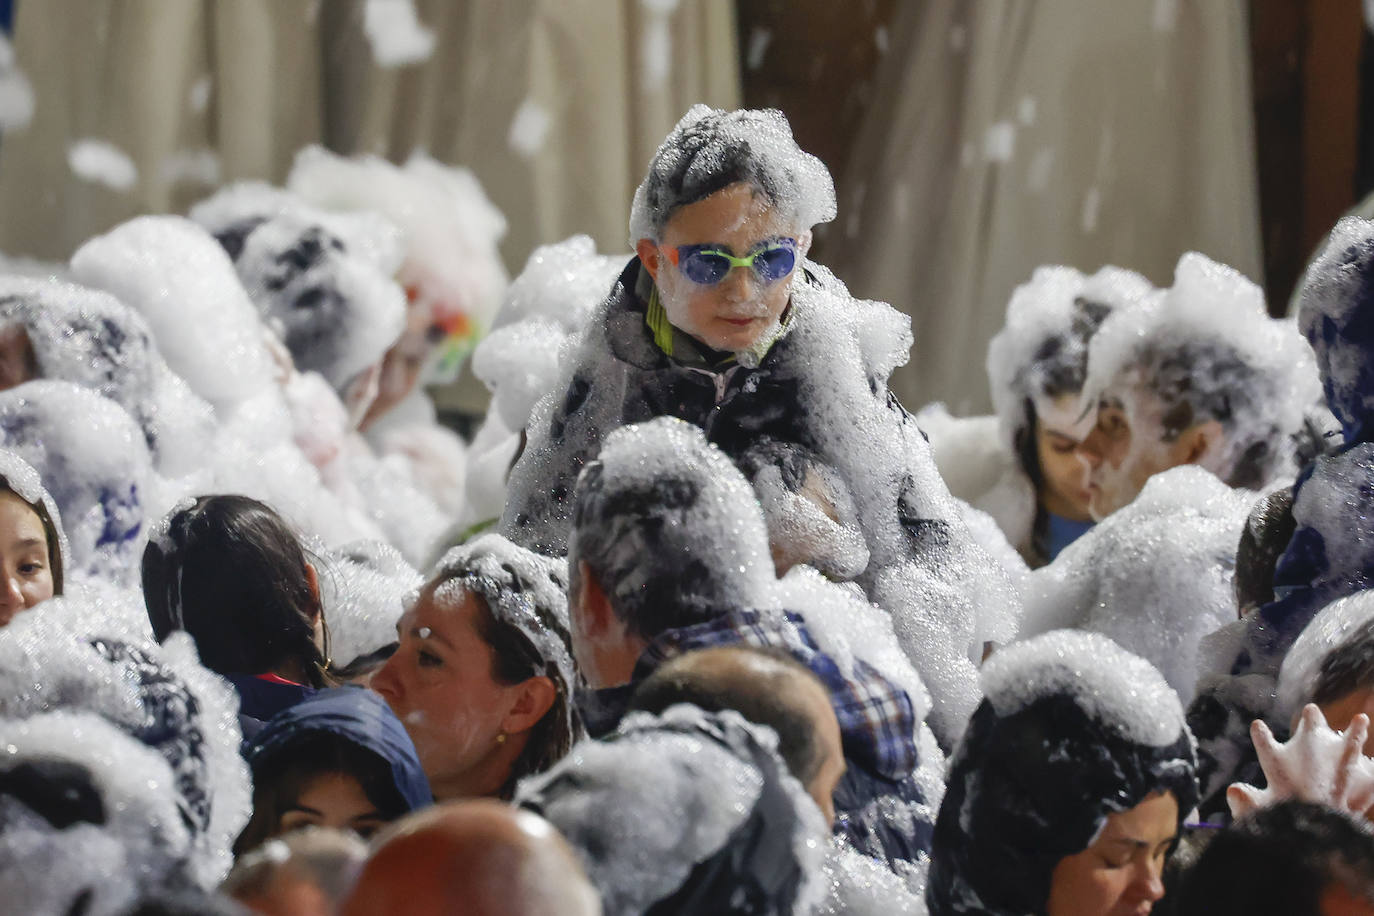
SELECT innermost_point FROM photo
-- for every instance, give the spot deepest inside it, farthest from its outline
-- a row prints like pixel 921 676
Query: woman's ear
pixel 534 697
pixel 648 256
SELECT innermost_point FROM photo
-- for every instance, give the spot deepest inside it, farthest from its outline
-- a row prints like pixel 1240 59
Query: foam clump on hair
pixel 1155 576
pixel 710 149
pixel 1334 318
pixel 1110 685
pixel 521 588
pixel 176 276
pixel 1333 626
pixel 89 337
pixel 1255 373
pixel 70 655
pixel 93 459
pixel 620 803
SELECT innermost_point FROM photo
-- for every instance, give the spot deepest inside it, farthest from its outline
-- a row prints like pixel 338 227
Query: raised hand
pixel 1316 765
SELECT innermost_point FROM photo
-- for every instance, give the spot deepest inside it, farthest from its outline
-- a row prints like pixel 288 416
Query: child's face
pixel 736 312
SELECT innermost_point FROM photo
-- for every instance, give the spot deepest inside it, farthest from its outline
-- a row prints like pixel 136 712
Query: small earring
pixel 501 738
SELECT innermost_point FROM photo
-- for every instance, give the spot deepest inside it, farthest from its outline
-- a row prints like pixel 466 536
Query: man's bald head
pixel 479 857
pixel 767 687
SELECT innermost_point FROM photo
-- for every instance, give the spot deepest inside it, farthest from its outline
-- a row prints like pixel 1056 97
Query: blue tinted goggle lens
pixel 709 266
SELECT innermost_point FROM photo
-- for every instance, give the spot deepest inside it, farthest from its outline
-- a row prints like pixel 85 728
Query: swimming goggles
pixel 707 265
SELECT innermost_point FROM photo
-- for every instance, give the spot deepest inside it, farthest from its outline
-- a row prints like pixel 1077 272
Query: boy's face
pixel 736 312
pixel 1127 446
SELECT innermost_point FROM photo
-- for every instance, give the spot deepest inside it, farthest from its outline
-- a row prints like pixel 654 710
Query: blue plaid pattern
pixel 877 720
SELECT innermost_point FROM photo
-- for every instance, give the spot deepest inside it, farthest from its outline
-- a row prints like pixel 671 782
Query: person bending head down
pixel 1068 789
pixel 478 857
pixel 1332 664
pixel 721 222
pixel 1199 374
pixel 658 543
pixel 767 687
pixel 483 673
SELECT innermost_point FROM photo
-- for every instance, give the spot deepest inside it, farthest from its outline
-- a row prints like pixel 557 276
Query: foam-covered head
pixel 70 655
pixel 52 329
pixel 670 529
pixel 1036 367
pixel 1337 316
pixel 94 460
pixel 452 270
pixel 1073 728
pixel 711 149
pixel 526 592
pixel 751 845
pixel 1155 576
pixel 1332 657
pixel 1203 352
pixel 175 275
pixel 88 820
pixel 321 281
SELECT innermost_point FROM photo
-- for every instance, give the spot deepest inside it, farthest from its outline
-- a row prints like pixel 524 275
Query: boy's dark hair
pixel 1281 859
pixel 763 697
pixel 709 150
pixel 1347 668
pixel 281 778
pixel 1262 541
pixel 233 574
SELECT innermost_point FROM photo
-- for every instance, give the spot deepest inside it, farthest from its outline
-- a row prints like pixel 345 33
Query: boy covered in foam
pixel 721 321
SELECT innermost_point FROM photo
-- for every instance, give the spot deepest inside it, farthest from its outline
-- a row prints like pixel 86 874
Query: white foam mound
pixel 1334 290
pixel 1332 628
pixel 364 587
pixel 769 138
pixel 1114 687
pixel 16 94
pixel 1154 576
pixel 394 32
pixel 101 162
pixel 179 278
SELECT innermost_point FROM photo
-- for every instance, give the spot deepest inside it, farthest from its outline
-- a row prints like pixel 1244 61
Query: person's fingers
pixel 1242 799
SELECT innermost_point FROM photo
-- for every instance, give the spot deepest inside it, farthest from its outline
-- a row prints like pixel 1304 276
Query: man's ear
pixel 648 256
pixel 534 697
pixel 594 608
pixel 1200 443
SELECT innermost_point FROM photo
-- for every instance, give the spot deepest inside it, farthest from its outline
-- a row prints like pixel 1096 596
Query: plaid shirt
pixel 877 720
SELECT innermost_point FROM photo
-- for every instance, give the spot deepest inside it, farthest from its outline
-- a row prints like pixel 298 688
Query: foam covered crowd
pixel 700 619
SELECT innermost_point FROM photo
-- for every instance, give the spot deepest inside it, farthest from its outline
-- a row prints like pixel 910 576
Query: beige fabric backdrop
pixel 1010 133
pixel 249 82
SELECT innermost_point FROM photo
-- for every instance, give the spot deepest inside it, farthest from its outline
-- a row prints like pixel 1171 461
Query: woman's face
pixel 440 685
pixel 333 800
pixel 24 559
pixel 1065 490
pixel 1120 873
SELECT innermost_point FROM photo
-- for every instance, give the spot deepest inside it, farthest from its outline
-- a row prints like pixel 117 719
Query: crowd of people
pixel 702 620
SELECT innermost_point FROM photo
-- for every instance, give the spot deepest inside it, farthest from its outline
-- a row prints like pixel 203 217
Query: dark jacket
pixel 878 804
pixel 358 716
pixel 262 696
pixel 821 389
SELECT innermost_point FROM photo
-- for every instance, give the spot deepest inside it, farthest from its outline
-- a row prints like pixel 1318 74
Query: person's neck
pixel 292 671
pixel 488 777
pixel 615 665
pixel 1055 504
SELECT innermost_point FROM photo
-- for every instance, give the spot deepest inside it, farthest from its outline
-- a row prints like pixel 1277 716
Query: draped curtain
pixel 1005 134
